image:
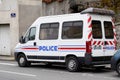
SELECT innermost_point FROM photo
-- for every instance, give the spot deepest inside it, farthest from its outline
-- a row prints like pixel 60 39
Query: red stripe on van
pixel 115 42
pixel 90 26
pixel 30 48
pixel 99 43
pixel 72 48
pixel 90 34
pixel 89 19
pixel 94 42
pixel 110 43
pixel 102 43
pixel 115 34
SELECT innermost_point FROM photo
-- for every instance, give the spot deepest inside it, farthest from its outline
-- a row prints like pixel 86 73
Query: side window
pixel 30 35
pixel 72 30
pixel 49 31
pixel 96 30
pixel 108 30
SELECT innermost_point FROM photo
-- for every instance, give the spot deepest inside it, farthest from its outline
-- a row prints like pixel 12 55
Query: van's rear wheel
pixel 118 68
pixel 72 64
pixel 48 64
pixel 22 61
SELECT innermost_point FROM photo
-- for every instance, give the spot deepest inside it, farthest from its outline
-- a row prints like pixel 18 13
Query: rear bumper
pixel 89 60
pixel 101 60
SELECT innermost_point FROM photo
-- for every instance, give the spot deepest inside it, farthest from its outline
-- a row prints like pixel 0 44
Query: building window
pixel 49 31
pixel 72 30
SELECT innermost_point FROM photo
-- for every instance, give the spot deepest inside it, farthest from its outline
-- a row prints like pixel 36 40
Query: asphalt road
pixel 9 70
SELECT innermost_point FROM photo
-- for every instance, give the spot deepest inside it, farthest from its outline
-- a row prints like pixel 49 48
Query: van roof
pixel 98 11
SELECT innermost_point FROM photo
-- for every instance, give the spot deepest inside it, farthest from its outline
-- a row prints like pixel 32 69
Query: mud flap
pixel 88 59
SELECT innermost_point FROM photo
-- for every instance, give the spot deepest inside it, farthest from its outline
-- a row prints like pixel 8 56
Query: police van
pixel 79 39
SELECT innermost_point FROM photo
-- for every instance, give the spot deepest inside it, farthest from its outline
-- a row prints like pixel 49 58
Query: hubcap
pixel 72 64
pixel 22 60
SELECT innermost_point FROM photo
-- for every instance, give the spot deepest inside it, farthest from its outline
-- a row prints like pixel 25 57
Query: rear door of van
pixel 110 38
pixel 103 38
pixel 97 39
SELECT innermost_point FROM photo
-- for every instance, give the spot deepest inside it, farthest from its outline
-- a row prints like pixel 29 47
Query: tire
pixel 118 68
pixel 22 61
pixel 72 64
pixel 48 64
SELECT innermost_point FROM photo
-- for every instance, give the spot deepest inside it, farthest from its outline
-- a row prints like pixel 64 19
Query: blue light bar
pixel 98 11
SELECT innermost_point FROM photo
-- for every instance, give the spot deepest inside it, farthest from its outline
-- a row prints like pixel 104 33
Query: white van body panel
pixel 76 47
pixel 103 52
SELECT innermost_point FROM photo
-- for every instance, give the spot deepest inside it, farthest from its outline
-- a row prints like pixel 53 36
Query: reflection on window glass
pixel 108 30
pixel 72 30
pixel 49 31
pixel 32 33
pixel 96 29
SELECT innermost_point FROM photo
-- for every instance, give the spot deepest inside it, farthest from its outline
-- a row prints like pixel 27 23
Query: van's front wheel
pixel 72 64
pixel 22 61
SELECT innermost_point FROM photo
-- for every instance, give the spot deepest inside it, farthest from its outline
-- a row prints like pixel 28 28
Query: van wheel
pixel 22 61
pixel 48 64
pixel 118 68
pixel 72 64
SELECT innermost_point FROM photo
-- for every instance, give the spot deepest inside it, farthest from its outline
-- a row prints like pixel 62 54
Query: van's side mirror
pixel 21 40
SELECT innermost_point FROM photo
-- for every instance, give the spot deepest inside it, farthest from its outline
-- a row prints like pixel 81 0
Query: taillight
pixel 88 47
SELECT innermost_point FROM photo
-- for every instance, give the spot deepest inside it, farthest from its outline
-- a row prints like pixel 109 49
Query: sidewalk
pixel 6 58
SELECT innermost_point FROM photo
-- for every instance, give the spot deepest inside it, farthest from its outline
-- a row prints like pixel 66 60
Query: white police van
pixel 79 39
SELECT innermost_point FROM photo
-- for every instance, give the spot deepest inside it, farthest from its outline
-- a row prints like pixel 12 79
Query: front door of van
pixel 29 45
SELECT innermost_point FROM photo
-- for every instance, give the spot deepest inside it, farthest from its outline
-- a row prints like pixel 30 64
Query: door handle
pixel 34 43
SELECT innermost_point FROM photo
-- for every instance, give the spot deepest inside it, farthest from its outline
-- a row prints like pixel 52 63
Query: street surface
pixel 9 70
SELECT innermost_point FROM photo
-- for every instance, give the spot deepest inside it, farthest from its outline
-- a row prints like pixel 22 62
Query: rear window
pixel 108 30
pixel 96 29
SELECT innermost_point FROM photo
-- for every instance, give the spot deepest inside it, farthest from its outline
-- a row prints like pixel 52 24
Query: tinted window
pixel 96 30
pixel 72 30
pixel 32 33
pixel 49 31
pixel 108 30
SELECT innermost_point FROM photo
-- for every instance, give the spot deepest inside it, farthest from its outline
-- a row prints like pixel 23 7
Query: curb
pixel 7 58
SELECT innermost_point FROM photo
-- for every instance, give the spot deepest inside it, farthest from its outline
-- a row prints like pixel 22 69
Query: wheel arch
pixel 19 53
pixel 70 55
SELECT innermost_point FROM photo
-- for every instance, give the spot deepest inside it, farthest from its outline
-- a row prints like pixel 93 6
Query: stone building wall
pixel 29 11
pixel 55 8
